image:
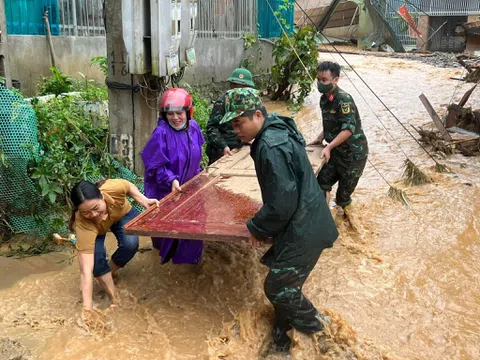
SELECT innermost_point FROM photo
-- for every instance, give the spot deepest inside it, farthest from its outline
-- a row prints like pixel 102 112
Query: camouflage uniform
pixel 294 214
pixel 347 160
pixel 283 287
pixel 219 135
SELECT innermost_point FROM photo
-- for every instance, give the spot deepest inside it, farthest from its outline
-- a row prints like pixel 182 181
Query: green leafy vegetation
pixel 100 61
pixel 295 65
pixel 57 83
pixel 201 113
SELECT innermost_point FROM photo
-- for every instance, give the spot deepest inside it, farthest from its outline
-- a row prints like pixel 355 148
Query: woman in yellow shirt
pixel 97 209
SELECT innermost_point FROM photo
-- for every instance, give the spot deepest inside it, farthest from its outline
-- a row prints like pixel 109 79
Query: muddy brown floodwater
pixel 398 283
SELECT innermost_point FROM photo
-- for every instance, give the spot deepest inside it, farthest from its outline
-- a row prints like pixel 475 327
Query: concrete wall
pixel 29 58
pixel 216 58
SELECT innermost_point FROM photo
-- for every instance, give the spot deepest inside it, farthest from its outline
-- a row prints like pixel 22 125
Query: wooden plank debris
pixel 436 119
pixel 215 204
pixel 454 109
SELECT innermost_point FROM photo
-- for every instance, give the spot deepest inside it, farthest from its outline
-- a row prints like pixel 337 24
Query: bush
pixel 90 90
pixel 72 149
pixel 58 83
pixel 292 76
pixel 201 115
pixel 102 62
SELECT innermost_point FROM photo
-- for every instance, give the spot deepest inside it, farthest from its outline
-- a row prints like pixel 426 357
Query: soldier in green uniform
pixel 294 214
pixel 347 149
pixel 221 139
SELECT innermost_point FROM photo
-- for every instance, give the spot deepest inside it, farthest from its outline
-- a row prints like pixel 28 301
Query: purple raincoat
pixel 173 155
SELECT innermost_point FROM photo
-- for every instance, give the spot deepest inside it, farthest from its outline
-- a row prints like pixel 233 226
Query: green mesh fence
pixel 18 144
pixel 124 173
pixel 19 199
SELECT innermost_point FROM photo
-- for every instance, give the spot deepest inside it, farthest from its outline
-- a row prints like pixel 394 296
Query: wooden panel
pixel 214 206
pixel 205 211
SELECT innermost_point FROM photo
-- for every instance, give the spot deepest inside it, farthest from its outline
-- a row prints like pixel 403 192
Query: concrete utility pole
pixel 133 109
pixel 4 67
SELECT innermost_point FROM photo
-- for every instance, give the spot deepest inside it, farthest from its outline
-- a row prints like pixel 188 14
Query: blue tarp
pixel 268 26
pixel 25 17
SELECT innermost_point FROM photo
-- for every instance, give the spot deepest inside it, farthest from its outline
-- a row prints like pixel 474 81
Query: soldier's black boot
pixel 280 338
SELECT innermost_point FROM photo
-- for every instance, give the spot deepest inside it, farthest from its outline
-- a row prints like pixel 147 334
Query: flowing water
pixel 398 284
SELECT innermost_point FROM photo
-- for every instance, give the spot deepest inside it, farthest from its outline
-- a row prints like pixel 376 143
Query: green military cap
pixel 241 76
pixel 237 101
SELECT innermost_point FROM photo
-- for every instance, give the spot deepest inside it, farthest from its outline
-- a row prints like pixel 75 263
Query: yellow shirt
pixel 114 193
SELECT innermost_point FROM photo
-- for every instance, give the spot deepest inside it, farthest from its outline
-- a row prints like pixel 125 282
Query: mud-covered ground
pixel 399 282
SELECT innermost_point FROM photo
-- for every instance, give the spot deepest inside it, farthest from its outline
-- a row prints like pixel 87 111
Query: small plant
pixel 399 195
pixel 201 109
pixel 247 63
pixel 17 92
pixel 284 6
pixel 90 90
pixel 249 40
pixel 95 93
pixel 58 83
pixel 102 62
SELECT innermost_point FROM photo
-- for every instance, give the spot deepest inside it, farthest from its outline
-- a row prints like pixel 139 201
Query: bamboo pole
pixel 49 38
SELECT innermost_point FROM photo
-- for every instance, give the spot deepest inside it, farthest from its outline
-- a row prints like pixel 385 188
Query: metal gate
pixel 389 9
pixel 455 10
pixel 228 19
pixel 445 39
pixel 449 7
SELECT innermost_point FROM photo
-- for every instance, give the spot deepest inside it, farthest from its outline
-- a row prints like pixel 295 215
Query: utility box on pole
pixel 136 29
pixel 189 34
pixel 159 35
pixel 148 43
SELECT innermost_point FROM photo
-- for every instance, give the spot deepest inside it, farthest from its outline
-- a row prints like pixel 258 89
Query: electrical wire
pixel 369 88
pixel 293 49
pixel 396 12
pixel 122 86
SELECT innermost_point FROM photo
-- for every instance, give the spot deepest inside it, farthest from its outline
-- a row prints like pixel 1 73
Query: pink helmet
pixel 176 99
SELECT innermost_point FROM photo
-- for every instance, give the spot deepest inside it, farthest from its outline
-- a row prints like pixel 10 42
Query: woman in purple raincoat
pixel 172 157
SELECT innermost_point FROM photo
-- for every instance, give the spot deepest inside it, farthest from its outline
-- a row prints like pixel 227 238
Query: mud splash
pixel 398 283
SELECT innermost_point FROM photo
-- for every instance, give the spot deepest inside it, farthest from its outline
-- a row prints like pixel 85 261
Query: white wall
pixel 29 58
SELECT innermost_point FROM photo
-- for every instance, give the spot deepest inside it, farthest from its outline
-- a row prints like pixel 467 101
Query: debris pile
pixel 441 60
pixel 469 120
pixel 437 59
pixel 466 144
pixel 472 64
pixel 458 131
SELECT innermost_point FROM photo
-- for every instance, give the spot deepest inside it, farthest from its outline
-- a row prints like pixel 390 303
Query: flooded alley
pixel 398 284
